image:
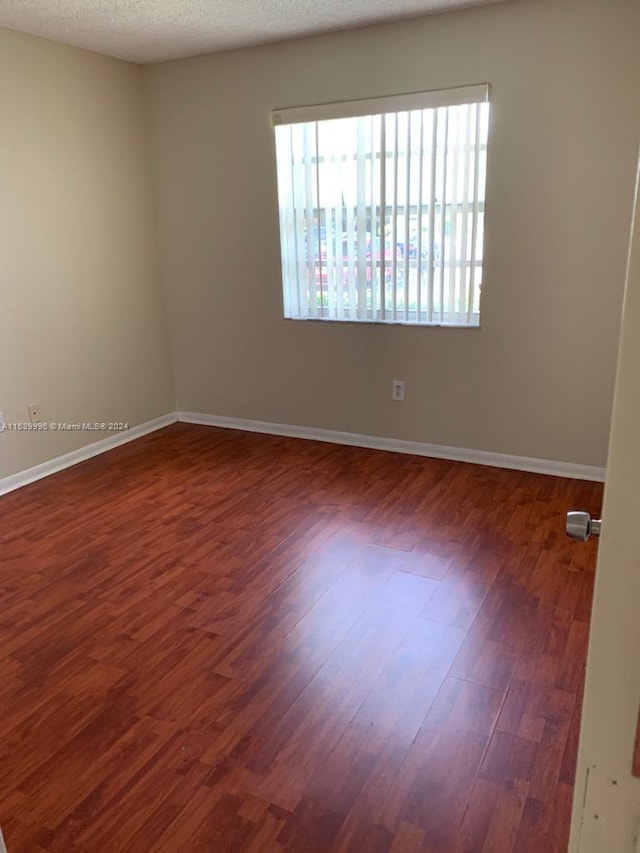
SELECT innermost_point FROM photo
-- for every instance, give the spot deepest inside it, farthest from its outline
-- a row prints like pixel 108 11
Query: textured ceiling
pixel 155 30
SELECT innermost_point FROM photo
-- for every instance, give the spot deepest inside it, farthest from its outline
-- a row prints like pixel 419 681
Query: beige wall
pixel 82 326
pixel 537 379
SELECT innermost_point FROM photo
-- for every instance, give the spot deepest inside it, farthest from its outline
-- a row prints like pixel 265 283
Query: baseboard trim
pixel 30 475
pixel 415 448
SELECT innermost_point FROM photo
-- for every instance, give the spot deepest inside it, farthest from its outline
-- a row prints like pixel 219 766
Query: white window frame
pixel 338 260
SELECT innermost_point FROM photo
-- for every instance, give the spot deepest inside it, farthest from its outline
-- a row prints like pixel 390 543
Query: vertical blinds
pixel 382 208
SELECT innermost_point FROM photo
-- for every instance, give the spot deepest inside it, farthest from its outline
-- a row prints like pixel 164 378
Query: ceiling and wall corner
pixel 156 30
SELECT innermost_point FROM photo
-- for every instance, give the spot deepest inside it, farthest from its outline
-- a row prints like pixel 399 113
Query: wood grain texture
pixel 217 641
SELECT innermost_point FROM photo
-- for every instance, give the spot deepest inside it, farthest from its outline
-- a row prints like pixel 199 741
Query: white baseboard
pixel 22 478
pixel 415 448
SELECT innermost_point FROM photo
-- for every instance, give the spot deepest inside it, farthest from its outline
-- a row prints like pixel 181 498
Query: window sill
pixel 368 322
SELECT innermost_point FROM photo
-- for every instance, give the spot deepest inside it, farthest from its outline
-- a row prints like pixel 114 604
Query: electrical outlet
pixel 34 412
pixel 397 390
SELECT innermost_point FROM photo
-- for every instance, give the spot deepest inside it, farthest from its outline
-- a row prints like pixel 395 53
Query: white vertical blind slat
pixel 299 205
pixel 432 215
pixel 443 212
pixel 361 216
pixel 419 223
pixel 453 216
pixel 319 297
pixel 464 238
pixel 383 218
pixel 338 201
pixel 330 233
pixel 285 169
pixel 407 213
pixel 350 188
pixel 394 224
pixel 373 225
pixel 307 291
pixel 474 219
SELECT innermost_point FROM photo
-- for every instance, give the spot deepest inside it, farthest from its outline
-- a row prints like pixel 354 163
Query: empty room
pixel 318 426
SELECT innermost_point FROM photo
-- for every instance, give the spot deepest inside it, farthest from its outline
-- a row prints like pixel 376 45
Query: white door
pixel 606 807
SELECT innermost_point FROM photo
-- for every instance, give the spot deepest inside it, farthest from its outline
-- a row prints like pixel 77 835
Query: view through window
pixel 382 210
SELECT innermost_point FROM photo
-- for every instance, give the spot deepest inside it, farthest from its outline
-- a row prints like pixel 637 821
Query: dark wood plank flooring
pixel 219 641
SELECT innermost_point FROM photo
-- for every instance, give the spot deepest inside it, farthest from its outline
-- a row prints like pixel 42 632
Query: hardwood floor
pixel 219 641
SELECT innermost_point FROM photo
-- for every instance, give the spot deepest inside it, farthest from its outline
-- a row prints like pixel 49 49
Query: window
pixel 382 208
